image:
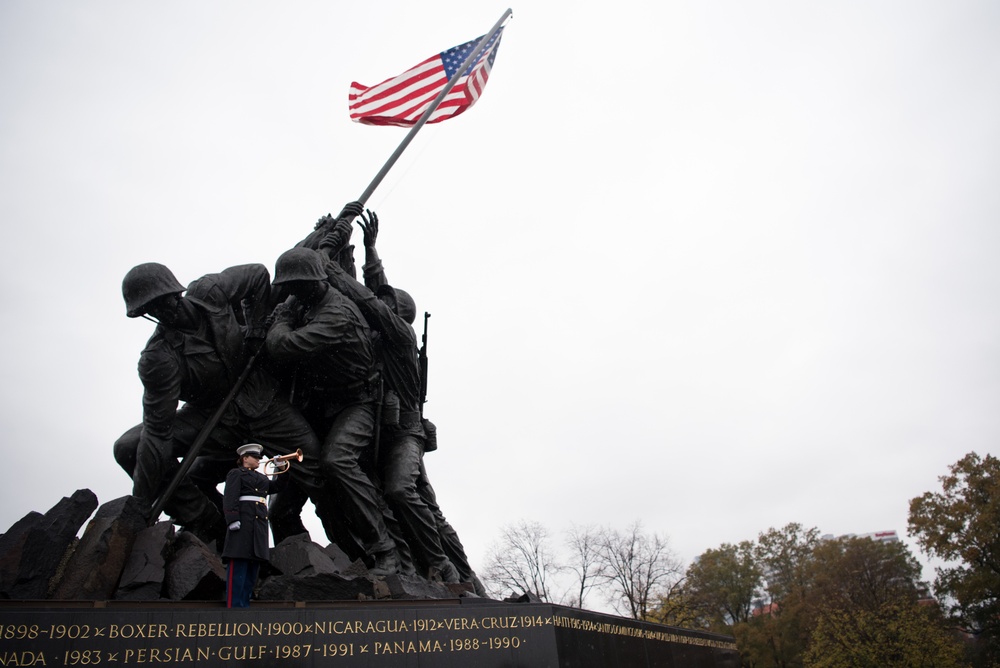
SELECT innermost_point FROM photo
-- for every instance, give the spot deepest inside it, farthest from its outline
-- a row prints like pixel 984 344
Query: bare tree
pixel 521 561
pixel 641 569
pixel 585 562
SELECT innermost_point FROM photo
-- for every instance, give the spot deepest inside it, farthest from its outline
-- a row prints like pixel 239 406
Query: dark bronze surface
pixel 466 632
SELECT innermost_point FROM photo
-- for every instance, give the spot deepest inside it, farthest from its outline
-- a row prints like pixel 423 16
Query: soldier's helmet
pixel 299 264
pixel 406 308
pixel 146 282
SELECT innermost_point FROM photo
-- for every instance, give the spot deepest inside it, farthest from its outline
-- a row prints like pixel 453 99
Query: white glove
pixel 235 526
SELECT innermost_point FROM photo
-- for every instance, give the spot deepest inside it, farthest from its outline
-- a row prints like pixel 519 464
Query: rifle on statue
pixel 430 431
pixel 423 365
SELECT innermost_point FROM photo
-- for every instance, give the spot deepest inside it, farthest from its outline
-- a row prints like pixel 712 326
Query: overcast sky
pixel 715 266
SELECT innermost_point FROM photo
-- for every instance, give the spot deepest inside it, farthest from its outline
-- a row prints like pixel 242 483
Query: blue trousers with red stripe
pixel 240 580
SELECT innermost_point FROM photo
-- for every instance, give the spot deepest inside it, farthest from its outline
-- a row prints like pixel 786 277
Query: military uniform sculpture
pixel 200 346
pixel 390 314
pixel 328 341
pixel 339 379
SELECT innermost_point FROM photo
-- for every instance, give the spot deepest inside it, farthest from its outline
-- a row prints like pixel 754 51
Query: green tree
pixel 843 602
pixel 864 599
pixel 784 555
pixel 777 635
pixel 755 591
pixel 862 574
pixel 722 584
pixel 898 634
pixel 961 526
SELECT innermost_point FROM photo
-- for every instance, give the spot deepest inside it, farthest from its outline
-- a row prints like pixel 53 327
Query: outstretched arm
pixel 373 272
pixel 333 234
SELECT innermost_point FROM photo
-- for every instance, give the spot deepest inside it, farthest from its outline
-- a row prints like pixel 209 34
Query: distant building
pixel 761 608
pixel 880 536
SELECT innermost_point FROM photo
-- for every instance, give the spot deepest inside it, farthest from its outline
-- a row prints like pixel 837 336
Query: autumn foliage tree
pixel 896 634
pixel 866 598
pixel 961 526
pixel 722 585
pixel 792 599
pixel 778 633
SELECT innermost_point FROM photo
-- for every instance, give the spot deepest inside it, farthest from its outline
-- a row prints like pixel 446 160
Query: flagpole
pixel 430 110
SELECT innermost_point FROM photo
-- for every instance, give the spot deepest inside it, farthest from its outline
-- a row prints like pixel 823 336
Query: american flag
pixel 402 99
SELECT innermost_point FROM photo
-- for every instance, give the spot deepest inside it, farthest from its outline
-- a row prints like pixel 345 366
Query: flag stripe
pixel 402 100
pixel 422 94
pixel 398 86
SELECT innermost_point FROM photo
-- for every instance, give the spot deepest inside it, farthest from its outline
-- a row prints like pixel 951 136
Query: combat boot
pixel 444 572
pixel 386 563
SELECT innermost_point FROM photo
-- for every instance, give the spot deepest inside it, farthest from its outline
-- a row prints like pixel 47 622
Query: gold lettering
pixel 358 626
pixel 396 647
pixel 25 658
pixel 241 652
pixel 426 625
pixel 137 631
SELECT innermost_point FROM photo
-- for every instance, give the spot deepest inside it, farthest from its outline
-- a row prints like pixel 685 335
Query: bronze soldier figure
pixel 326 339
pixel 200 346
pixel 401 437
pixel 391 313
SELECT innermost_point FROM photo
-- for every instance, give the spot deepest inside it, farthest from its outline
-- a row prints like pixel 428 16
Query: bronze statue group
pixel 328 365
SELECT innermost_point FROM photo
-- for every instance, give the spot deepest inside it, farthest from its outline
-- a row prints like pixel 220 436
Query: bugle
pixel 274 461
